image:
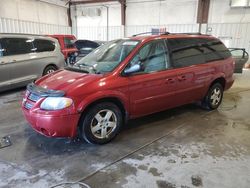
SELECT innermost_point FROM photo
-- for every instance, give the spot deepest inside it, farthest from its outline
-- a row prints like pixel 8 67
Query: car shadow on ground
pixel 60 146
pixel 160 116
pixel 11 92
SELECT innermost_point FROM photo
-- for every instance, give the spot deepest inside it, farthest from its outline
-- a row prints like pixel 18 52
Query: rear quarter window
pixel 193 51
pixel 215 50
pixel 42 45
pixel 69 43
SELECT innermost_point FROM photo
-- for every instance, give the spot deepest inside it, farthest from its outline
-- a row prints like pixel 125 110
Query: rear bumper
pixel 53 126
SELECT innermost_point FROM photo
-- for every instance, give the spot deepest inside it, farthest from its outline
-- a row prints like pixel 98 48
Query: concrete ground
pixel 183 147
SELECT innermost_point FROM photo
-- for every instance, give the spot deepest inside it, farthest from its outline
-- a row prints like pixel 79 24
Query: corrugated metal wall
pixel 174 28
pixel 8 25
pixel 232 34
pixel 115 32
pixel 100 33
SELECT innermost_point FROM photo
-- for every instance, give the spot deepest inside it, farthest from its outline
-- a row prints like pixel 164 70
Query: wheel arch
pixel 50 64
pixel 220 80
pixel 112 99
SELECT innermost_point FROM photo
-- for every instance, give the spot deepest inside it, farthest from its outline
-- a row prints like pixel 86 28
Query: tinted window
pixel 15 46
pixel 214 49
pixel 44 45
pixel 185 52
pixel 68 42
pixel 152 57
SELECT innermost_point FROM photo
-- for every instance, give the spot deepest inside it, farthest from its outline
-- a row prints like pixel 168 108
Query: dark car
pixel 100 42
pixel 85 47
pixel 241 57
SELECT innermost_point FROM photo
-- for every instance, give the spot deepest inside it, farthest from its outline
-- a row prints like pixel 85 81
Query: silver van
pixel 24 58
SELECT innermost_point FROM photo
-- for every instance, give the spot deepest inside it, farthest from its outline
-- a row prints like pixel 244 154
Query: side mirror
pixel 132 69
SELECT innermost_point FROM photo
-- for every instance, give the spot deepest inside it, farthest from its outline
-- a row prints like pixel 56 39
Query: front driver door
pixel 152 88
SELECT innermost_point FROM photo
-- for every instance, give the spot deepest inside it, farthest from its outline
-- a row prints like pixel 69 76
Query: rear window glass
pixel 69 43
pixel 237 53
pixel 16 46
pixel 44 45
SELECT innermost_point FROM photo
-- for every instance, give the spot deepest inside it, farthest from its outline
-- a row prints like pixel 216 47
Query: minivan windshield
pixel 108 56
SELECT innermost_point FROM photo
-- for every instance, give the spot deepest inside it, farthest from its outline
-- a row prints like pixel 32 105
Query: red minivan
pixel 67 44
pixel 125 79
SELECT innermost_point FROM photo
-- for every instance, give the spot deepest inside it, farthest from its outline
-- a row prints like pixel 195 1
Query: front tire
pixel 101 123
pixel 214 97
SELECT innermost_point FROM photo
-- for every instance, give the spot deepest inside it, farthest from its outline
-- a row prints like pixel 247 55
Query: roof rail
pixel 152 33
pixel 168 33
pixel 194 33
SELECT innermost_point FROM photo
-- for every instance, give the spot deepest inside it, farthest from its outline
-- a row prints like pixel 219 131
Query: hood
pixel 66 80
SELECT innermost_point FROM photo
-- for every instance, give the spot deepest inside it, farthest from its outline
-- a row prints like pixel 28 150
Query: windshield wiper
pixel 91 67
pixel 76 69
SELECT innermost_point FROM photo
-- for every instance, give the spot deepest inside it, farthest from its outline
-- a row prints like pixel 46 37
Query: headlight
pixel 56 103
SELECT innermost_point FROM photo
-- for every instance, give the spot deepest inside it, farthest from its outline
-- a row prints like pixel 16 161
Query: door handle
pixel 181 77
pixel 169 81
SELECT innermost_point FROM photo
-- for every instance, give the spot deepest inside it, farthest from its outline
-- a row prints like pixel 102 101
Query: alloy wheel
pixel 103 124
pixel 50 71
pixel 215 96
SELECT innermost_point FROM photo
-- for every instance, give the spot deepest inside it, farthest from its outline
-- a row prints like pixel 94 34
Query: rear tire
pixel 214 97
pixel 101 123
pixel 49 69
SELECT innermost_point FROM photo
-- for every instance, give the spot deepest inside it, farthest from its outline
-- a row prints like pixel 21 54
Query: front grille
pixel 34 97
pixel 28 105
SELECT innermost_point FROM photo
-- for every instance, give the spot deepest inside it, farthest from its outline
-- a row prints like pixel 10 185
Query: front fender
pixel 122 97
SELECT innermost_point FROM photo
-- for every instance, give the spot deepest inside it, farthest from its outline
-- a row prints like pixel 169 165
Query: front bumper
pixel 58 123
pixel 52 126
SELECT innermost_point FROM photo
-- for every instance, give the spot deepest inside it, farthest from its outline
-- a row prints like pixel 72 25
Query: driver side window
pixel 152 57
